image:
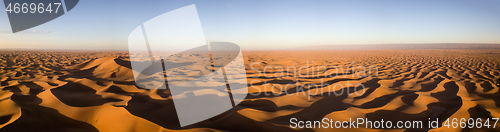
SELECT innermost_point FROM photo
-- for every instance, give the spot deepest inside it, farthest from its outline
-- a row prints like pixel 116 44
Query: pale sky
pixel 270 24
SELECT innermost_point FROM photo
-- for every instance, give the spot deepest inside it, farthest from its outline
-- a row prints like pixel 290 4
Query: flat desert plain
pixel 95 91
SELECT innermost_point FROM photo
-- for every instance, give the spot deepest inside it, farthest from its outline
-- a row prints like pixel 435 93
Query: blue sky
pixel 271 24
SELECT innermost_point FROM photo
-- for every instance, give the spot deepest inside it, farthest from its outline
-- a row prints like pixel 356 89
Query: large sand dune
pixel 95 91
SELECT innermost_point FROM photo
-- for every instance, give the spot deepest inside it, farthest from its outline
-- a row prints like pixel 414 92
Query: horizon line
pixel 294 48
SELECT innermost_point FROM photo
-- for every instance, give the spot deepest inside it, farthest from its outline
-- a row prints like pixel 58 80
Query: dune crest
pixel 95 91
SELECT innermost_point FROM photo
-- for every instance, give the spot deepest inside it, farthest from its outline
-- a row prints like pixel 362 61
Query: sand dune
pixel 95 91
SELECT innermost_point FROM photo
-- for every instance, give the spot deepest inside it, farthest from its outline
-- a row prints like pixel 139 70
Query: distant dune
pixel 95 91
pixel 400 46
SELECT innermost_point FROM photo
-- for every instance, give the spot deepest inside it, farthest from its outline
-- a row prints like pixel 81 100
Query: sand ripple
pixel 95 91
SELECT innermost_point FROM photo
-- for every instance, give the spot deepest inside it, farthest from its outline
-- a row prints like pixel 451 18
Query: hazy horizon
pixel 318 47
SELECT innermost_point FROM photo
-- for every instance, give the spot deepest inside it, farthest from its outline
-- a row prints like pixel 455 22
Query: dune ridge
pixel 95 91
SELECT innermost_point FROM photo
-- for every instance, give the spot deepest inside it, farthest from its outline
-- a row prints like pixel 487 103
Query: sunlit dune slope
pixel 95 91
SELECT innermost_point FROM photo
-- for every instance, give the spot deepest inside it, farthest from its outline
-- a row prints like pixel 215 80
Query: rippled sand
pixel 95 91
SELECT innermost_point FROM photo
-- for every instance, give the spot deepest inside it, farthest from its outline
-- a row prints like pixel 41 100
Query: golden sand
pixel 95 91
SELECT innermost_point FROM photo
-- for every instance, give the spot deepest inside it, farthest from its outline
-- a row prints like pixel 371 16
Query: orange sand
pixel 95 91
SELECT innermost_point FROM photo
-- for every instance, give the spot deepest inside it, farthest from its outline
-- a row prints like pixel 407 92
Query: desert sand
pixel 95 91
